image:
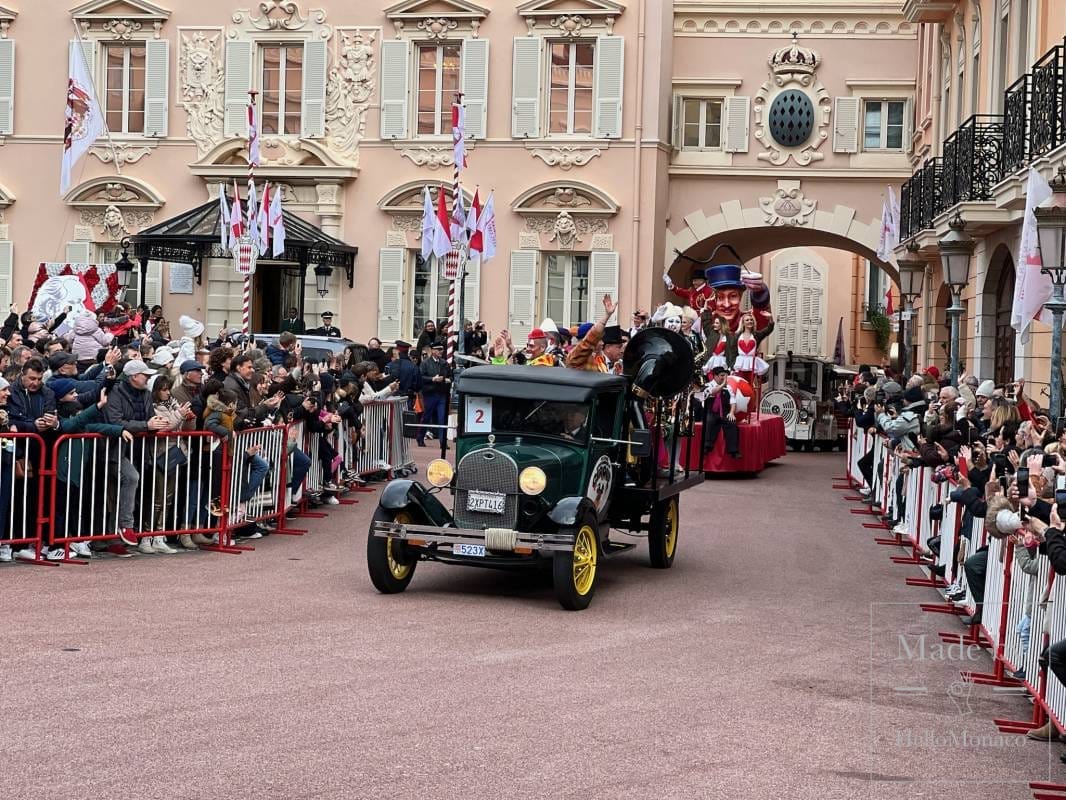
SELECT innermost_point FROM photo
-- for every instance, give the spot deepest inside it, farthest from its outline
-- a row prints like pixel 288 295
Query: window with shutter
pixel 472 293
pixel 78 252
pixel 566 282
pixel 603 277
pixel 7 264
pixel 799 288
pixel 846 125
pixel 7 86
pixel 313 121
pixel 282 88
pixel 394 71
pixel 156 87
pixel 391 264
pixel 523 295
pixel 525 87
pixel 607 105
pixel 737 112
pixel 238 82
pixel 438 81
pixel 153 284
pixel 428 295
pixel 475 82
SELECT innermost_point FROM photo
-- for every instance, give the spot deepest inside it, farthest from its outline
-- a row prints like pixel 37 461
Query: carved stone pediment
pixel 570 18
pixel 577 198
pixel 7 16
pixel 436 19
pixel 793 88
pixel 114 206
pixel 404 203
pixel 122 19
pixel 6 197
pixel 787 206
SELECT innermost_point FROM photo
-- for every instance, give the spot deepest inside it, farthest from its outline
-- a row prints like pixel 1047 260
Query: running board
pixel 614 548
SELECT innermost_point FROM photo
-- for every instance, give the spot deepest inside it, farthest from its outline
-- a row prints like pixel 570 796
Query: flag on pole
pixel 442 242
pixel 223 217
pixel 889 226
pixel 262 220
pixel 472 216
pixel 459 136
pixel 486 229
pixel 236 224
pixel 889 308
pixel 84 120
pixel 253 204
pixel 1032 288
pixel 253 138
pixel 458 223
pixel 277 224
pixel 838 349
pixel 429 224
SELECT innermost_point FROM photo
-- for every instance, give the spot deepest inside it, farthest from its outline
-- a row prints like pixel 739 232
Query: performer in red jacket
pixel 700 296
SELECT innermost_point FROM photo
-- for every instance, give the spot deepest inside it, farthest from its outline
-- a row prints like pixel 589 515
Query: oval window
pixel 791 118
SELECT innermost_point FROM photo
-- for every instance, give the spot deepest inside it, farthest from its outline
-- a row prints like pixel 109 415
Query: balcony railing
pixel 1046 109
pixel 1016 125
pixel 932 177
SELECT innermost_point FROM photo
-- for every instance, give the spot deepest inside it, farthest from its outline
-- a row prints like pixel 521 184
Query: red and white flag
pixel 236 223
pixel 84 119
pixel 277 225
pixel 262 220
pixel 1032 288
pixel 223 217
pixel 253 138
pixel 429 224
pixel 486 230
pixel 458 224
pixel 472 217
pixel 889 226
pixel 442 242
pixel 252 206
pixel 459 136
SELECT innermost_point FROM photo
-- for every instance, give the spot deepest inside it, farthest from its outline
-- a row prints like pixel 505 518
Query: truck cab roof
pixel 539 383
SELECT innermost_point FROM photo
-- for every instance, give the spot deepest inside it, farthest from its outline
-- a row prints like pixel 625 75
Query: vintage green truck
pixel 548 462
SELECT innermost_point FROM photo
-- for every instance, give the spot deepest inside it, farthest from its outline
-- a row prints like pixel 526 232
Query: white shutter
pixel 7 269
pixel 392 262
pixel 607 87
pixel 677 122
pixel 472 290
pixel 7 87
pixel 78 252
pixel 395 63
pixel 475 82
pixel 846 125
pixel 238 82
pixel 313 119
pixel 153 284
pixel 88 48
pixel 156 87
pixel 737 112
pixel 525 88
pixel 603 278
pixel 523 299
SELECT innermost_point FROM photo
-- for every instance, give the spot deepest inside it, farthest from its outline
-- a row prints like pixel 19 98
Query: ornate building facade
pixel 614 135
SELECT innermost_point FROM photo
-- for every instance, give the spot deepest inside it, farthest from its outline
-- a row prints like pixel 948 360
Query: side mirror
pixel 642 446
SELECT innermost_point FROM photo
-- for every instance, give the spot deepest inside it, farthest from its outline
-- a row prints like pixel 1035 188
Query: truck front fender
pixel 405 493
pixel 565 513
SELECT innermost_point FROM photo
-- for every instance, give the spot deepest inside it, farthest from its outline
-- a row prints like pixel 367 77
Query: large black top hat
pixel 659 362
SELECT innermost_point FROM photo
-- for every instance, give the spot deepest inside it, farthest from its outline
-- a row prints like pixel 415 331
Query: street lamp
pixel 124 267
pixel 955 251
pixel 1051 234
pixel 911 277
pixel 322 274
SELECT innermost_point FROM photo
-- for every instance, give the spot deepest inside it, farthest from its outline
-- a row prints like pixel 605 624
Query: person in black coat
pixel 403 370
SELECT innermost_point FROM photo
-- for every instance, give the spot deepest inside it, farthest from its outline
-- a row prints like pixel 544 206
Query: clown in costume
pixel 699 297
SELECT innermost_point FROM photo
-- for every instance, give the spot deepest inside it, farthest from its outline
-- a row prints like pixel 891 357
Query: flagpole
pixel 460 279
pixel 96 97
pixel 246 306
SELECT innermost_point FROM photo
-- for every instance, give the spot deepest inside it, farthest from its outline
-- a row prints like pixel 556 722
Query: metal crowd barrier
pixel 22 478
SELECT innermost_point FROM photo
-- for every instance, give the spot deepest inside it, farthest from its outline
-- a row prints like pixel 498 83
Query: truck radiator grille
pixel 486 470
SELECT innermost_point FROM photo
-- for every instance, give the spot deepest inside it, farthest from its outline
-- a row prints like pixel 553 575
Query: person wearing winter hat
pixel 65 390
pixel 903 425
pixel 192 332
pixel 985 390
pixel 163 358
pixel 551 333
pixel 892 390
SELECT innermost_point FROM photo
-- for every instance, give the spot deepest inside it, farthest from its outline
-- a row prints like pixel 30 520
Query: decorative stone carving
pixel 116 193
pixel 437 27
pixel 602 241
pixel 127 152
pixel 202 88
pixel 431 157
pixel 407 222
pixel 787 205
pixel 348 88
pixel 83 233
pixel 565 230
pixel 122 29
pixel 528 240
pixel 279 15
pixel 5 230
pixel 880 23
pixel 327 193
pixel 567 197
pixel 113 223
pixel 395 239
pixel 565 157
pixel 792 68
pixel 570 25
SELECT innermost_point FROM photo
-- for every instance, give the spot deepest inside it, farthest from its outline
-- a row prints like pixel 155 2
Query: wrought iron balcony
pixel 1047 112
pixel 932 191
pixel 1015 125
pixel 973 160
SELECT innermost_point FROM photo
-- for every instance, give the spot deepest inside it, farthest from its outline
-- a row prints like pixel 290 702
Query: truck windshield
pixel 543 417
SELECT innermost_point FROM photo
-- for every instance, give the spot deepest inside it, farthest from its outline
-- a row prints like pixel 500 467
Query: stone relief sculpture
pixel 113 223
pixel 348 88
pixel 202 88
pixel 564 231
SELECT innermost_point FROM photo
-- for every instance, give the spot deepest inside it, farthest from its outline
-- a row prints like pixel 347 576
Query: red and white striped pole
pixel 454 324
pixel 246 302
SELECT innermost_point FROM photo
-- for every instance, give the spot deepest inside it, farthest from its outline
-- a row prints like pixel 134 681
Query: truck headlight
pixel 532 480
pixel 439 472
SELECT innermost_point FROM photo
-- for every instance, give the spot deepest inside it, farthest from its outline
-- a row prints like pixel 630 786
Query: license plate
pixel 469 550
pixel 486 502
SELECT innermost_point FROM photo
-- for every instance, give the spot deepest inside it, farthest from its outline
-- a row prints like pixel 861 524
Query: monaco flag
pixel 485 237
pixel 442 242
pixel 262 220
pixel 236 224
pixel 84 119
pixel 459 136
pixel 277 224
pixel 253 138
pixel 1032 288
pixel 429 224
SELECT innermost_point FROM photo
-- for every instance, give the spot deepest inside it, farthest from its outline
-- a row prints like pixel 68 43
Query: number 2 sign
pixel 479 415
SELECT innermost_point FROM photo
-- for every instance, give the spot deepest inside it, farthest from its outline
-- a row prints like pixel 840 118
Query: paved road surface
pixel 746 671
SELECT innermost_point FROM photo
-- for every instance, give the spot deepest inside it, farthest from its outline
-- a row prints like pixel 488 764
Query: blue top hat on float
pixel 724 276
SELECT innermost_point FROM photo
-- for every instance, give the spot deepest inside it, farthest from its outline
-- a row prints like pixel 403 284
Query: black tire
pixel 389 562
pixel 663 528
pixel 574 573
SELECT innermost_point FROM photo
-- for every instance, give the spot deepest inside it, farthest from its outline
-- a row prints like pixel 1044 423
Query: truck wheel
pixel 390 564
pixel 662 532
pixel 574 572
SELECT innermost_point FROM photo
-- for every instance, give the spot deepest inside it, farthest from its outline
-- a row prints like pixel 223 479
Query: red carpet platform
pixel 761 441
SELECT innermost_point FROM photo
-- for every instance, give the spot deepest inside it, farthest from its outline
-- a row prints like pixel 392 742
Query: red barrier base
pixel 896 542
pixel 905 560
pixel 761 441
pixel 876 526
pixel 870 512
pixel 996 678
pixel 1048 791
pixel 942 608
pixel 933 583
pixel 38 561
pixel 975 636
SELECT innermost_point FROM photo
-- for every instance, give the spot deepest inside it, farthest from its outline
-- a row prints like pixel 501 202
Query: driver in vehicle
pixel 574 424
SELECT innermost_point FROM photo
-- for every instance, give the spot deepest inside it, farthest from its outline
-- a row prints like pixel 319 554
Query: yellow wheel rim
pixel 671 531
pixel 396 569
pixel 584 560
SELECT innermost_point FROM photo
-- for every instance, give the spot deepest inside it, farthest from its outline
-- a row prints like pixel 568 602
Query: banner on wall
pixel 81 287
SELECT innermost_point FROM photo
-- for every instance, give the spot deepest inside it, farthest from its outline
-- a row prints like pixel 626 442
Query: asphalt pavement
pixel 781 657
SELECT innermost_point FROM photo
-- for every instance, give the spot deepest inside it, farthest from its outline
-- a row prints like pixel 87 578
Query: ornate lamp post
pixel 322 275
pixel 955 251
pixel 124 267
pixel 911 277
pixel 1051 234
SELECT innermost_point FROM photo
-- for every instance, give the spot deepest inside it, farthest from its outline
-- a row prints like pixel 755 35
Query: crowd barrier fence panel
pixel 1055 692
pixel 241 505
pixel 399 455
pixel 1026 594
pixel 23 522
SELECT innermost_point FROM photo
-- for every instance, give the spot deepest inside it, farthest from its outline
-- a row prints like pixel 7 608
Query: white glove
pixel 668 281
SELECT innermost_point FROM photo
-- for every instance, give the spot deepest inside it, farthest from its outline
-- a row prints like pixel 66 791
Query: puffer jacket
pixel 88 338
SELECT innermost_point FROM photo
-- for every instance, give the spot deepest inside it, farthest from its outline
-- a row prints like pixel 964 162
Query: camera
pixel 999 460
pixel 1060 502
pixel 1022 476
pixel 1050 460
